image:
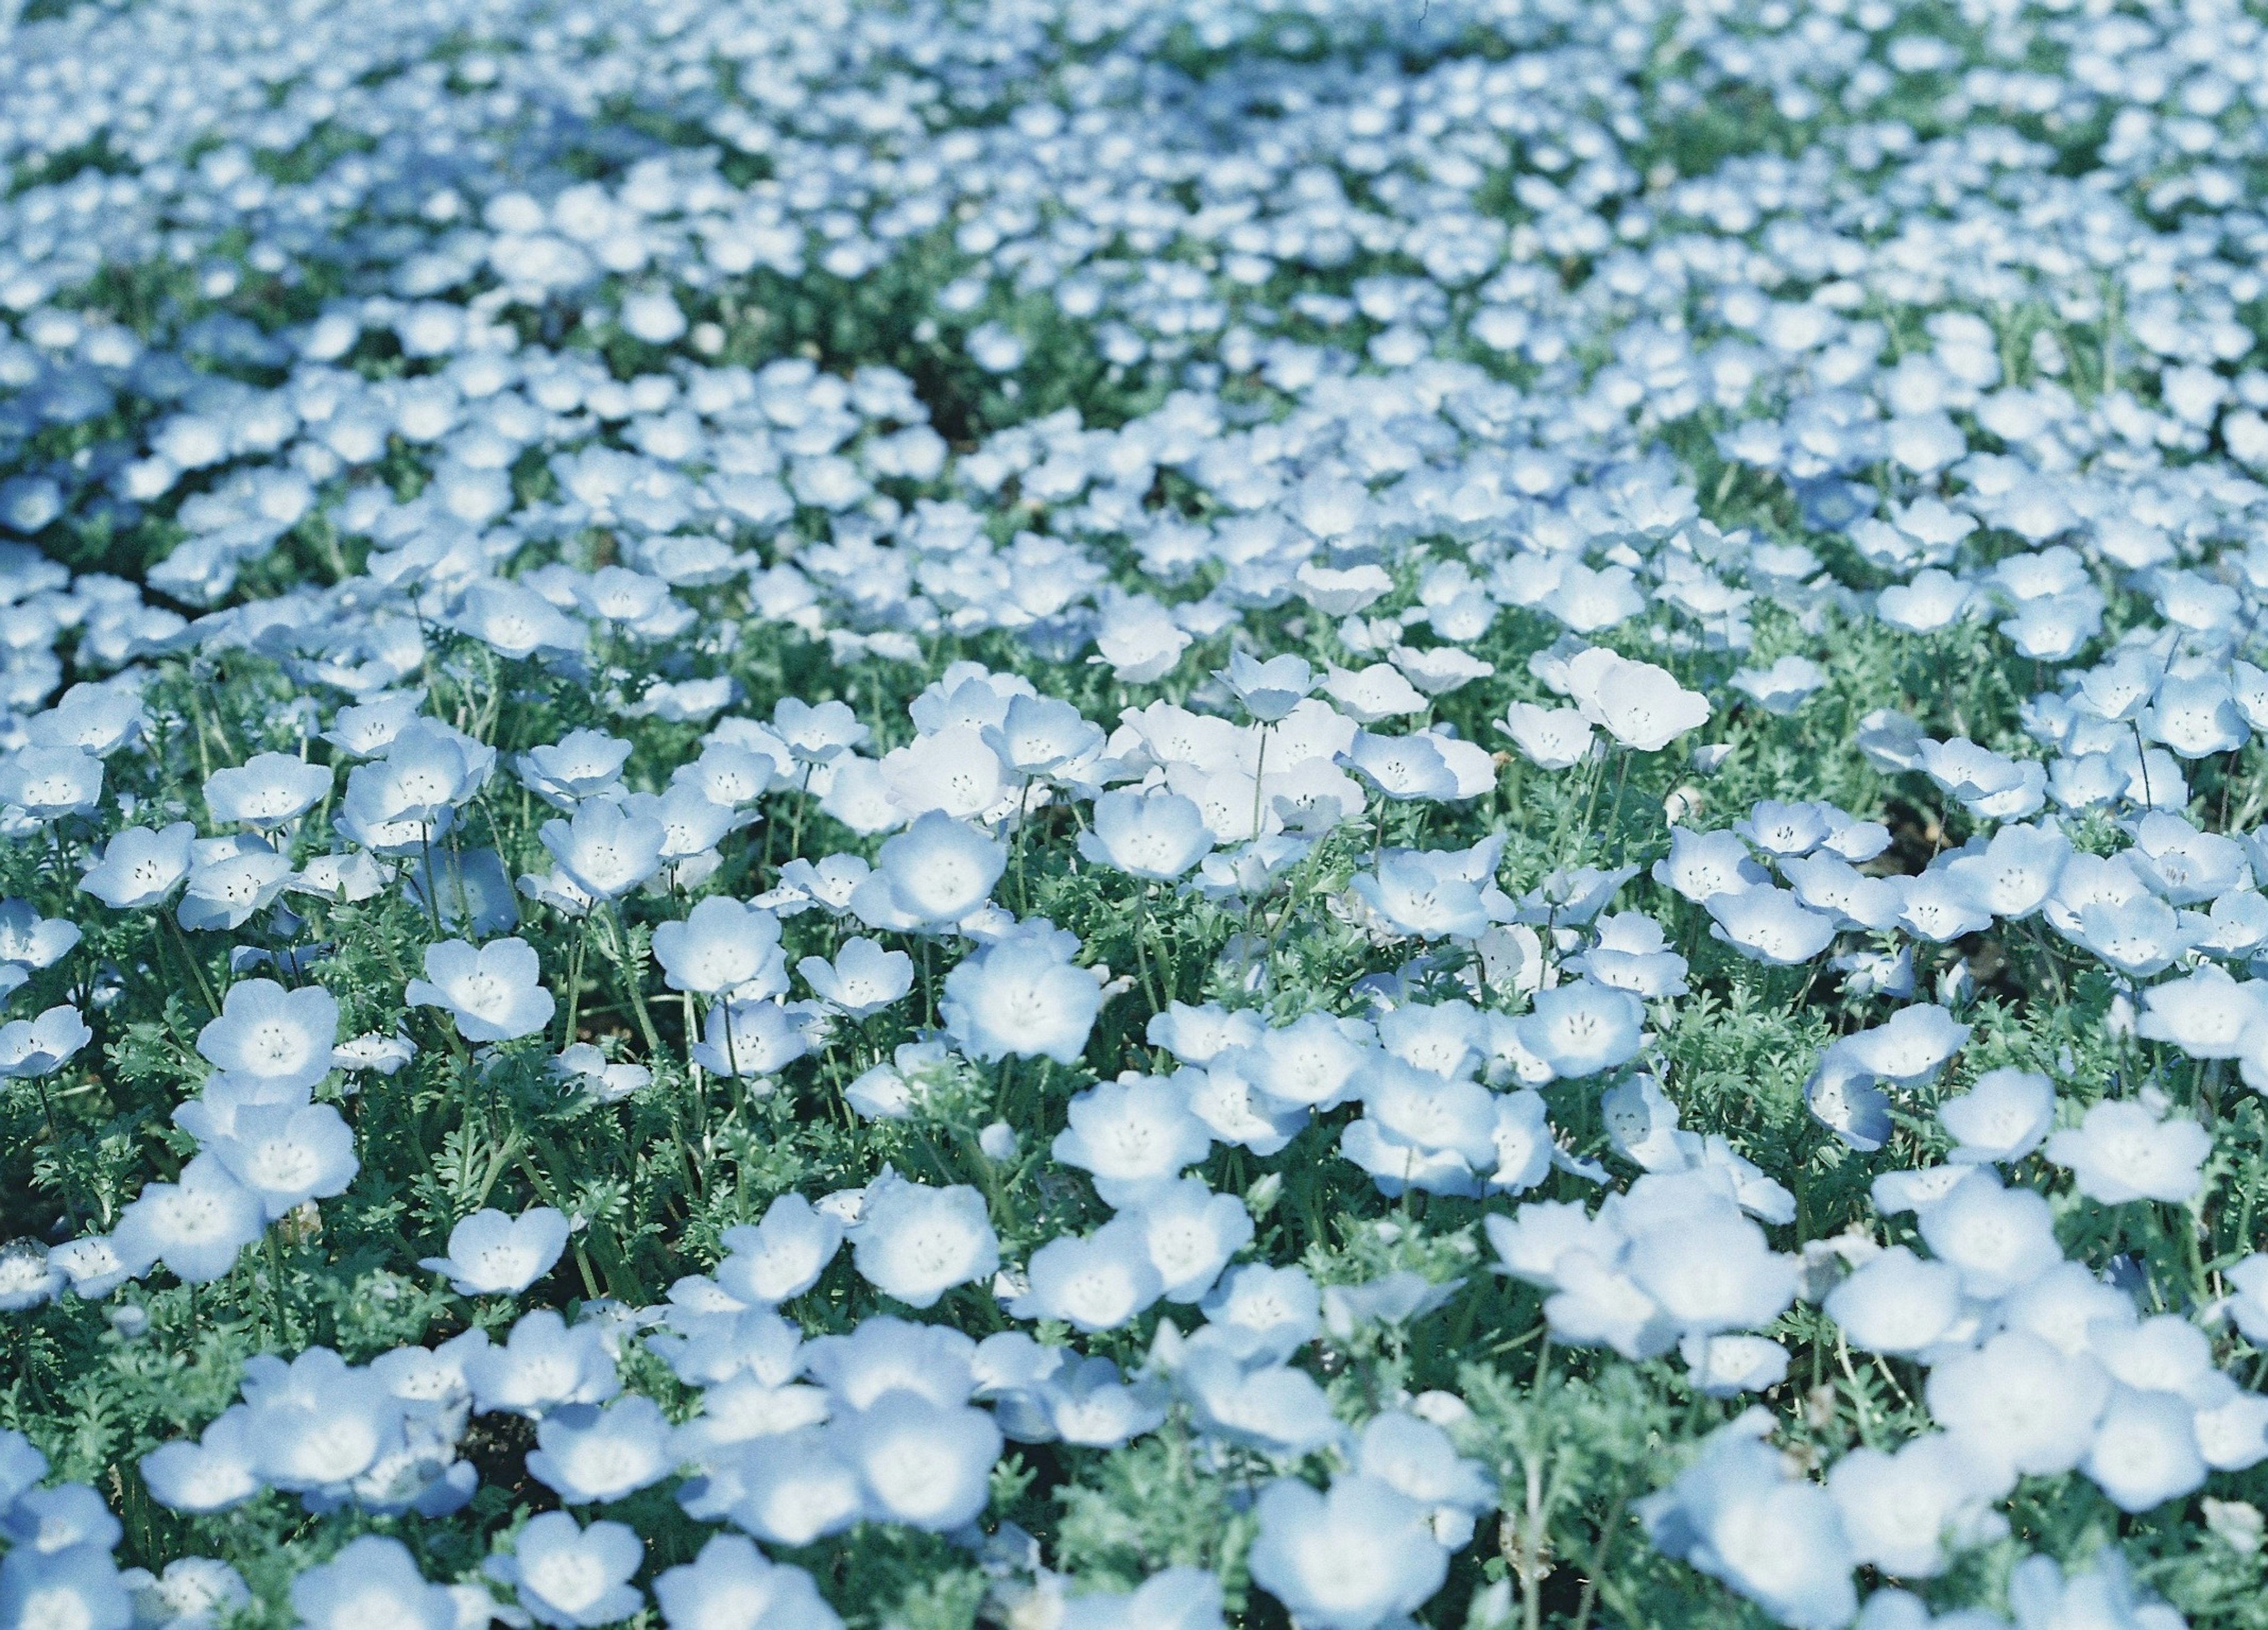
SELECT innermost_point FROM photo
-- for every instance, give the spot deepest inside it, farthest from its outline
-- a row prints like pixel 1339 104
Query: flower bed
pixel 1125 817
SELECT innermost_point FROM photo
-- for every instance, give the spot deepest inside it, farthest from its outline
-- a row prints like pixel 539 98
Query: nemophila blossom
pixel 1135 1135
pixel 1039 736
pixel 582 764
pixel 1703 865
pixel 1091 1406
pixel 607 848
pixel 1268 690
pixel 1727 1366
pixel 1910 1512
pixel 193 1592
pixel 749 1039
pixel 1020 998
pixel 1737 1515
pixel 953 771
pixel 730 1584
pixel 2205 1013
pixel 2131 1149
pixel 1438 670
pixel 29 942
pixel 915 1243
pixel 1897 1302
pixel 1583 1028
pixel 863 980
pixel 2247 1305
pixel 50 783
pixel 1375 694
pixel 1909 1047
pixel 98 719
pixel 1426 895
pixel 491 1254
pixel 366 728
pixel 28 1276
pixel 1314 1062
pixel 544 1364
pixel 230 880
pixel 1550 738
pixel 782 1256
pixel 1093 1284
pixel 1711 1271
pixel 1631 954
pixel 2003 1116
pixel 492 992
pixel 886 1354
pixel 1264 1312
pixel 1190 1233
pixel 1273 1408
pixel 283 1039
pixel 516 622
pixel 268 791
pixel 930 876
pixel 1406 1108
pixel 33 1048
pixel 1402 768
pixel 587 1454
pixel 568 1575
pixel 692 826
pixel 725 774
pixel 1642 706
pixel 722 945
pixel 1348 1559
pixel 1139 640
pixel 1159 836
pixel 370 1580
pixel 209 1473
pixel 196 1225
pixel 1990 786
pixel 2020 1403
pixel 2144 1449
pixel 1999 1238
pixel 284 1154
pixel 139 867
pixel 317 1422
pixel 2185 866
pixel 1416 1458
pixel 1173 1599
pixel 93 1264
pixel 1769 925
pixel 918 1462
pixel 68 1514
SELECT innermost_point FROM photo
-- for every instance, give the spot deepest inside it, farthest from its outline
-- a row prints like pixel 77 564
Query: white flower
pixel 492 992
pixel 1642 706
pixel 915 1243
pixel 2129 1149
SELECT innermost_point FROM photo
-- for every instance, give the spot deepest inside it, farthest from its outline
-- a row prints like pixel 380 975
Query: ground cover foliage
pixel 1127 817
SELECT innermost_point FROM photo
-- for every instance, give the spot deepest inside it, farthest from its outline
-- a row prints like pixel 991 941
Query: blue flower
pixel 585 1453
pixel 570 1576
pixel 372 1581
pixel 731 1584
pixel 1347 1559
pixel 493 1255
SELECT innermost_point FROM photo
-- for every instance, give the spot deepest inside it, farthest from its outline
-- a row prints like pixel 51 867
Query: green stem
pixel 631 982
pixel 276 1289
pixel 55 1141
pixel 196 969
pixel 575 982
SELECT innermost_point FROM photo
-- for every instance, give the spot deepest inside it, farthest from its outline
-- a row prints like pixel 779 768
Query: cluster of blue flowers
pixel 1110 817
